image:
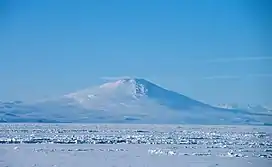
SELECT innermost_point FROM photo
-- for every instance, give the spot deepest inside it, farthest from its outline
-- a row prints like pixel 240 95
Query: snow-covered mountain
pixel 128 100
pixel 129 92
pixel 249 107
pixel 228 106
pixel 258 108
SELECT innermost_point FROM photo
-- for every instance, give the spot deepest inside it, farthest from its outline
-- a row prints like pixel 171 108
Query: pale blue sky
pixel 211 50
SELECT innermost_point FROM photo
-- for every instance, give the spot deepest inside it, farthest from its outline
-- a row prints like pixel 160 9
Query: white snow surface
pixel 120 145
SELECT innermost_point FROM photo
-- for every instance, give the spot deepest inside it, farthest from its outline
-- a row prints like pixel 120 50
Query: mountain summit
pixel 128 100
pixel 132 90
pixel 125 88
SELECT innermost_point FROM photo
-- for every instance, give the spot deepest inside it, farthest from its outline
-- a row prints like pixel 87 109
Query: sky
pixel 215 51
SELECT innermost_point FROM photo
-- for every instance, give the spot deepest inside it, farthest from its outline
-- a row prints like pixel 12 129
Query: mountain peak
pixel 119 82
pixel 118 90
pixel 131 80
pixel 136 85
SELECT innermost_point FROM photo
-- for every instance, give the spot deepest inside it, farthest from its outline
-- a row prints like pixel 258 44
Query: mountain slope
pixel 128 101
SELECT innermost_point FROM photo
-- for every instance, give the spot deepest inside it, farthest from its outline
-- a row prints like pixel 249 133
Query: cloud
pixel 237 77
pixel 228 60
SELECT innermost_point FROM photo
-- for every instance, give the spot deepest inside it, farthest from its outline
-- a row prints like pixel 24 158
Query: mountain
pixel 249 108
pixel 258 108
pixel 228 106
pixel 9 104
pixel 129 100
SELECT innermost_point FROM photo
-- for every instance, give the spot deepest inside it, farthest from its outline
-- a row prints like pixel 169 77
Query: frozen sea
pixel 119 145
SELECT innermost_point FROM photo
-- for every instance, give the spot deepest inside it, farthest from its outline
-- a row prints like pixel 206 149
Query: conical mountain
pixel 129 100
